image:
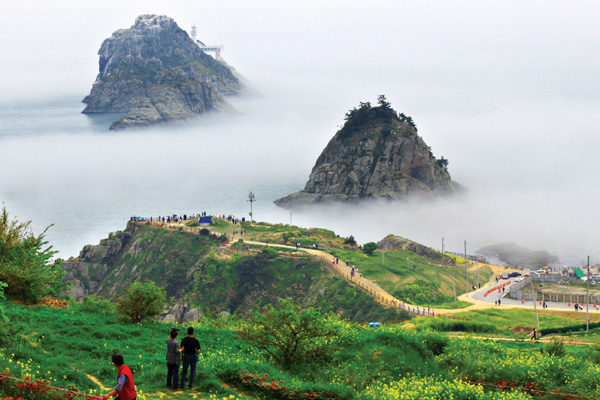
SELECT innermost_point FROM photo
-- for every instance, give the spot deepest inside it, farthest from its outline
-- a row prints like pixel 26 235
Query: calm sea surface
pixel 61 167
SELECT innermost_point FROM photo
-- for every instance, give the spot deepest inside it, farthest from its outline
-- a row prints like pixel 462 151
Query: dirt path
pixel 98 383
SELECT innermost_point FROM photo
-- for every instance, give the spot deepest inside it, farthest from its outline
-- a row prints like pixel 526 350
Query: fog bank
pixel 507 93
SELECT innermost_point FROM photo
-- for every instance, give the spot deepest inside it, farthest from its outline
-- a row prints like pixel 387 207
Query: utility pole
pixel 537 318
pixel 587 301
pixel 454 287
pixel 251 199
pixel 466 269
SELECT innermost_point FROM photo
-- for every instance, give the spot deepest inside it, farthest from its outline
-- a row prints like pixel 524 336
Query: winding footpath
pixel 477 298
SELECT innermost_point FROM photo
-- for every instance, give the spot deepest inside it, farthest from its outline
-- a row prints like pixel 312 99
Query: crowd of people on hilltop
pixel 177 218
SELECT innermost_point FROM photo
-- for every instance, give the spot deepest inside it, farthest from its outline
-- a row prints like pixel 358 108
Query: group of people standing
pixel 188 353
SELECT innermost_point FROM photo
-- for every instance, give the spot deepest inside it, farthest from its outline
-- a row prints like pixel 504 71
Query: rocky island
pixel 377 154
pixel 154 72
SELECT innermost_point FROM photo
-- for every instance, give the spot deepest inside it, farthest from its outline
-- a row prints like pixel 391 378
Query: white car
pixel 519 279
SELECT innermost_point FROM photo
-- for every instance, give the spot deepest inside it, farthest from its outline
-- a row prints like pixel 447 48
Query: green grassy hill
pixel 195 270
pixel 71 349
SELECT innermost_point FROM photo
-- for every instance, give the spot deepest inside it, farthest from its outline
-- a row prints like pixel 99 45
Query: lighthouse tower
pixel 216 49
pixel 193 33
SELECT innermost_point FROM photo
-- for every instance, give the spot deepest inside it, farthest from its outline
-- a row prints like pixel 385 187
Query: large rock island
pixel 376 155
pixel 153 72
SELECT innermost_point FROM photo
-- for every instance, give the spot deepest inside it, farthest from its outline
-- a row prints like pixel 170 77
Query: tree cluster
pixel 357 117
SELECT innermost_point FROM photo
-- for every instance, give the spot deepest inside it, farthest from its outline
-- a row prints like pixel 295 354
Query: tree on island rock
pixel 377 154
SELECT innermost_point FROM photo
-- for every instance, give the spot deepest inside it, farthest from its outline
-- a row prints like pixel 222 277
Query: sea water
pixel 67 169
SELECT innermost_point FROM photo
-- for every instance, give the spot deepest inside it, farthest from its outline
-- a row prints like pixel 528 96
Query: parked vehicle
pixel 519 278
pixel 514 274
pixel 505 275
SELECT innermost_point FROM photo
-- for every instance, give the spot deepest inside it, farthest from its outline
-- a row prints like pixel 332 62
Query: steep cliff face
pixel 154 72
pixel 376 155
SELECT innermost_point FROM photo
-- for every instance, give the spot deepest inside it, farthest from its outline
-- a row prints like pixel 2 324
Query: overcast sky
pixel 508 91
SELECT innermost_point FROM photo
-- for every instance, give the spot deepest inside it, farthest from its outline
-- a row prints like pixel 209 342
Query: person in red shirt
pixel 125 389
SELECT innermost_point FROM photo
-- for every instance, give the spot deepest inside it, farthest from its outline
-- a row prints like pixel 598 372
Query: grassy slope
pixel 66 346
pixel 400 268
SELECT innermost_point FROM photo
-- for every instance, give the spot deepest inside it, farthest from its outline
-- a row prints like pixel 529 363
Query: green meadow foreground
pixel 71 349
pixel 314 345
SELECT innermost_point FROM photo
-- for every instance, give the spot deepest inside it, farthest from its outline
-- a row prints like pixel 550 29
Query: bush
pixel 447 325
pixel 369 248
pixel 26 264
pixel 269 253
pixel 350 240
pixel 288 333
pixel 141 301
pixel 93 304
pixel 3 318
pixel 204 232
pixel 555 349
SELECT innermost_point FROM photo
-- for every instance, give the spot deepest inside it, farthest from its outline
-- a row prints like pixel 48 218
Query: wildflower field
pixel 64 354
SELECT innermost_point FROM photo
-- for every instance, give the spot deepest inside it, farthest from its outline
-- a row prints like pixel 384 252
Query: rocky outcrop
pixel 181 313
pixel 514 255
pixel 393 242
pixel 153 72
pixel 376 155
pixel 93 264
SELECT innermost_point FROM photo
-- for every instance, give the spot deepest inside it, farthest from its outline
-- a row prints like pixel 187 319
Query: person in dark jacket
pixel 125 389
pixel 173 360
pixel 190 347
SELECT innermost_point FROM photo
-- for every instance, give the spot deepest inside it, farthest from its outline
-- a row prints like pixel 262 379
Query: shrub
pixel 369 248
pixel 26 264
pixel 447 325
pixel 350 240
pixel 554 349
pixel 289 334
pixel 269 253
pixel 204 232
pixel 93 304
pixel 141 301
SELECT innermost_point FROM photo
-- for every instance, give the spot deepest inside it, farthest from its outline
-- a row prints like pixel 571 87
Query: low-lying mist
pixel 526 182
pixel 508 94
